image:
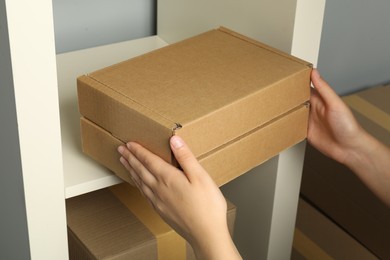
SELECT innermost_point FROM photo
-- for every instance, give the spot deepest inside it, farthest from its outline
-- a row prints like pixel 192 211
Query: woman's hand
pixel 188 200
pixel 334 131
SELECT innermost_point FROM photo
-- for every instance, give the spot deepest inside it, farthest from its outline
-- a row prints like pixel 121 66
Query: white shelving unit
pixel 53 165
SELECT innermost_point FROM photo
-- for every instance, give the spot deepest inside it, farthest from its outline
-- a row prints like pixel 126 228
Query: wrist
pixel 360 155
pixel 217 244
pixel 370 162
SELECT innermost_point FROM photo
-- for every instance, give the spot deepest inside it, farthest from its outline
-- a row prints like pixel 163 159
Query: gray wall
pixel 81 24
pixel 355 45
pixel 354 51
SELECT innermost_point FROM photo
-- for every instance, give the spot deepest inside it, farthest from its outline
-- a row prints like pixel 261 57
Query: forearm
pixel 371 163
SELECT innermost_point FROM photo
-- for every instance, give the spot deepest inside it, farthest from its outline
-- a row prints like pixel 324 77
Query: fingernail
pixel 316 73
pixel 176 142
pixel 121 149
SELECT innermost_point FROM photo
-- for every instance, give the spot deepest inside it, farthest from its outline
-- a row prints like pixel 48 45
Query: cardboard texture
pixel 214 90
pixel 317 237
pixel 118 223
pixel 337 192
pixel 224 164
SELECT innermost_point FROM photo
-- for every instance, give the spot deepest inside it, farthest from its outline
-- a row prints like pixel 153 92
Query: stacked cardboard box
pixel 338 193
pixel 118 223
pixel 235 101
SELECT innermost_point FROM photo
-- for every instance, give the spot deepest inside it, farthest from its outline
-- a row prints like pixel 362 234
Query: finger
pixel 126 164
pixel 144 189
pixel 153 163
pixel 322 87
pixel 185 157
pixel 314 98
pixel 313 93
pixel 137 170
pixel 317 103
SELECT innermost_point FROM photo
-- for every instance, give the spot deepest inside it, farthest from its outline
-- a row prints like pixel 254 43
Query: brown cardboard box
pixel 338 193
pixel 118 223
pixel 215 90
pixel 317 237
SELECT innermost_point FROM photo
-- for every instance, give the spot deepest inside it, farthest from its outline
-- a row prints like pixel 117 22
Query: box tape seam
pixel 369 110
pixel 176 250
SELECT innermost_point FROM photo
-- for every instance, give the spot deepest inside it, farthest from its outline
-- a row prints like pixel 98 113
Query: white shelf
pixel 82 174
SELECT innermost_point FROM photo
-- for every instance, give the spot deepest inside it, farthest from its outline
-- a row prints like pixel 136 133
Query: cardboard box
pixel 215 90
pixel 118 223
pixel 338 193
pixel 317 237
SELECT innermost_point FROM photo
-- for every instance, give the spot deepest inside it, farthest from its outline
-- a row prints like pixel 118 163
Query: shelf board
pixel 81 173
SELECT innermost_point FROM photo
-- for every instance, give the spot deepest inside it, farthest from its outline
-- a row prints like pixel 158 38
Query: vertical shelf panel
pixel 305 45
pixel 31 36
pixel 309 16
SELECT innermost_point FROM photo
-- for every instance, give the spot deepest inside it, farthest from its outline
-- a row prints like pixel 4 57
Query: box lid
pixel 217 85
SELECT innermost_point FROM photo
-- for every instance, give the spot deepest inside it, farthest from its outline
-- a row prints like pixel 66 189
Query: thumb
pixel 185 157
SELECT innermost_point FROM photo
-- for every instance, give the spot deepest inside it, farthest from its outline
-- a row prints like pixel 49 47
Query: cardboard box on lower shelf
pixel 338 193
pixel 118 223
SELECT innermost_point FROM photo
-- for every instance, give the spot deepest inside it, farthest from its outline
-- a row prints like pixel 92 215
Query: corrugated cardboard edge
pixel 100 101
pixel 253 131
pixel 257 147
pixel 77 249
pixel 102 148
pixel 223 165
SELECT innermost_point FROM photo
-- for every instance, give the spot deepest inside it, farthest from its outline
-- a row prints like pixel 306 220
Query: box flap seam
pixel 222 146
